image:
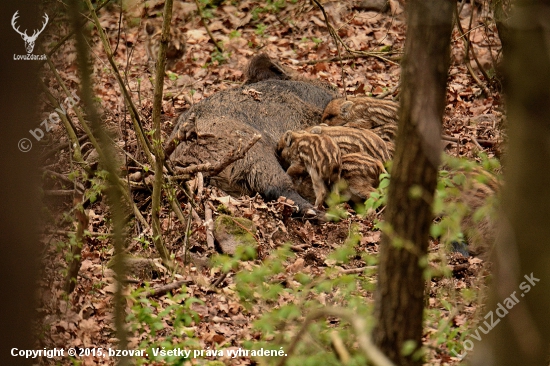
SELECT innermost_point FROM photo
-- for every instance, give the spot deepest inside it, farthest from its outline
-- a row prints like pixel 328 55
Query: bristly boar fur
pixel 354 140
pixel 315 154
pixel 359 176
pixel 378 115
pixel 268 107
pixel 362 174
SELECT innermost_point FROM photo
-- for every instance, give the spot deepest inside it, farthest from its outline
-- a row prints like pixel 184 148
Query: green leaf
pixel 415 192
pixel 408 347
pixel 384 183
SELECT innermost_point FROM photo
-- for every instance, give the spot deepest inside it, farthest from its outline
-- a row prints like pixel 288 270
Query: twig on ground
pixel 61 146
pixel 209 223
pixel 474 140
pixel 161 290
pixel 211 169
pixel 481 142
pixel 300 248
pixel 388 92
pixel 347 57
pixel 64 178
pixel 356 270
pixel 200 186
pixel 220 279
pixel 196 217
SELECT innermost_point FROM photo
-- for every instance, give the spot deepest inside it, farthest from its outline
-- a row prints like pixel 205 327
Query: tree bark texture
pixel 521 335
pixel 399 302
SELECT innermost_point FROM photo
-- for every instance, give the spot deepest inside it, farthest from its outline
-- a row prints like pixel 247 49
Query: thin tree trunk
pixel 399 300
pixel 520 330
pixel 157 147
pixel 501 10
pixel 115 193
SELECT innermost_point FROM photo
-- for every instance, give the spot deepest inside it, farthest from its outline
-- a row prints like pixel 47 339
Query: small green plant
pixel 172 76
pixel 222 209
pixel 234 34
pixel 219 57
pixel 379 197
pixel 133 22
pixel 98 185
pixel 207 13
pixel 149 317
pixel 317 41
pixel 335 201
pixel 269 6
pixel 207 8
pixel 144 241
pixel 445 332
pixel 281 300
pixel 98 286
pixel 449 206
pixel 260 29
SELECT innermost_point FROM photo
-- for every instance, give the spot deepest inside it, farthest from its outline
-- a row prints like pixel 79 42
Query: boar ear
pixel 316 130
pixel 288 138
pixel 345 108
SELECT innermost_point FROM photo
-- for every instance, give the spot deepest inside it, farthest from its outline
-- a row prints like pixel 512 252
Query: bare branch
pixel 216 168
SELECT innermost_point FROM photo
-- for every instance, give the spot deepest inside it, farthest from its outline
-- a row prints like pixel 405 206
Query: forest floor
pixel 296 35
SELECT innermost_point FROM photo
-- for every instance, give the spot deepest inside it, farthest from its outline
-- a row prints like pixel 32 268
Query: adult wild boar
pixel 266 107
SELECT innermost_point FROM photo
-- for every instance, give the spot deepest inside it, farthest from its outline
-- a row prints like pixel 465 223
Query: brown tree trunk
pixel 520 333
pixel 399 300
pixel 501 10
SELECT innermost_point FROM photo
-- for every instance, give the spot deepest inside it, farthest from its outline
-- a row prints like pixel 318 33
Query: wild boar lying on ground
pixel 353 140
pixel 361 172
pixel 315 154
pixel 328 164
pixel 267 107
pixel 377 115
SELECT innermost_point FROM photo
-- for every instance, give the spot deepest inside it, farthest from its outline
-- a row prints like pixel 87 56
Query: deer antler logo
pixel 29 40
